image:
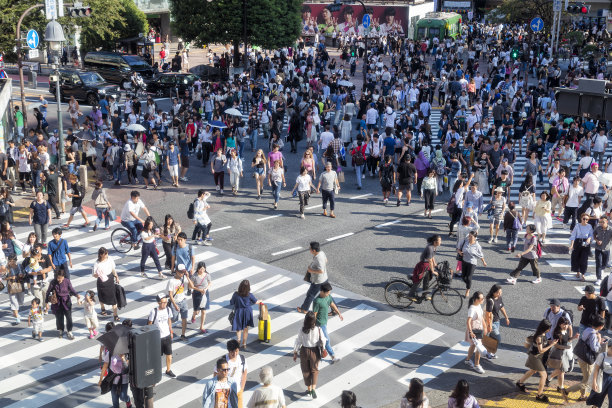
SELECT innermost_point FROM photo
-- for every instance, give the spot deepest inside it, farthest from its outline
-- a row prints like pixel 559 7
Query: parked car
pixel 84 85
pixel 168 83
pixel 116 67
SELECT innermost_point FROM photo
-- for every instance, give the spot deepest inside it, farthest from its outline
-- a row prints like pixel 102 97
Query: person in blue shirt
pixel 173 161
pixel 337 99
pixel 60 252
pixel 104 109
pixel 220 390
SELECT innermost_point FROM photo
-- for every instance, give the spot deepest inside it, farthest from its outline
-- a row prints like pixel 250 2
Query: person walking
pixel 177 289
pixel 60 252
pixel 118 365
pixel 276 180
pixel 149 249
pixel 542 217
pixel 51 183
pixel 102 205
pixel 461 397
pixel 494 304
pixel 105 271
pixel 243 301
pixel 386 176
pixel 602 380
pixel 238 367
pixel 329 185
pixel 62 289
pixel 321 308
pixel 359 160
pixel 512 225
pixel 268 395
pixel 217 167
pixel 16 277
pixel 558 358
pixel 526 257
pixel 316 275
pixel 594 342
pixel 76 192
pixel 259 166
pixel 169 234
pixel 415 396
pixel 575 194
pixel 221 390
pixel 475 330
pixel 534 359
pixel 429 190
pixel 234 167
pixel 580 246
pixel 201 220
pixel 308 344
pixel 470 252
pixel 161 316
pixel 201 294
pixel 602 235
pixel 40 216
pixel 303 185
pixel 498 208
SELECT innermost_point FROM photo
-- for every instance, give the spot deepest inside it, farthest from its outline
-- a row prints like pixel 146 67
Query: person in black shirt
pixel 493 306
pixel 591 306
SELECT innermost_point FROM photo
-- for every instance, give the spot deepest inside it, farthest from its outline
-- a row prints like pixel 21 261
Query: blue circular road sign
pixel 537 24
pixel 32 39
pixel 366 21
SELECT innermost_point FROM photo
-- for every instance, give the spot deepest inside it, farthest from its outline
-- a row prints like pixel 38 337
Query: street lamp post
pixel 54 34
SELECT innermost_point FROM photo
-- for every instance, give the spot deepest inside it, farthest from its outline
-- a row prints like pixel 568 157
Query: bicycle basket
pixel 444 273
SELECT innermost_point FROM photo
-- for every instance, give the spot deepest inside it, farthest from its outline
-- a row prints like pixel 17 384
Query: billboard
pixel 317 19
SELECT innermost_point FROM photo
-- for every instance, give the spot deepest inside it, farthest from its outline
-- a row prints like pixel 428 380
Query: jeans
pixel 117 173
pixel 313 292
pixel 597 399
pixel 119 392
pixel 36 178
pixel 327 342
pixel 133 227
pixel 601 261
pixel 581 328
pixel 276 189
pixel 328 195
pixel 253 139
pixel 241 149
pixel 495 331
pixel 203 229
pixel 358 173
pixel 102 214
pixel 219 177
pixel 41 232
pixel 149 249
pixel 265 127
pixel 511 237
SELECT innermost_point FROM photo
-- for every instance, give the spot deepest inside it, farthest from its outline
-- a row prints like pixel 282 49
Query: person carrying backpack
pixel 532 250
pixel 359 159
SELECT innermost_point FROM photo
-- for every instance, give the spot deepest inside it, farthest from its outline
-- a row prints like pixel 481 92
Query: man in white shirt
pixel 373 151
pixel 161 316
pixel 371 116
pixel 326 138
pixel 600 143
pixel 176 292
pixel 413 95
pixel 130 218
pixel 389 118
pixel 238 367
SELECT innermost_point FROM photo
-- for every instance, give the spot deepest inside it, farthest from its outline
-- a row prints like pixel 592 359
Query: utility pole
pixel 244 35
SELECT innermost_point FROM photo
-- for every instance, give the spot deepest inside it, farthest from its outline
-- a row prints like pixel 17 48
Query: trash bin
pixel 32 78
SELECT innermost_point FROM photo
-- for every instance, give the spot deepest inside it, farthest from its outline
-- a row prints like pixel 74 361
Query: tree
pixel 522 11
pixel 270 23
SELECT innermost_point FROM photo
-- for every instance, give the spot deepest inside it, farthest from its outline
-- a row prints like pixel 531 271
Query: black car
pixel 85 86
pixel 116 67
pixel 167 83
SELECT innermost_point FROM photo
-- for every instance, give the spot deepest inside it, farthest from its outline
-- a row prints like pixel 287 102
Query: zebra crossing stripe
pixel 438 365
pixel 369 368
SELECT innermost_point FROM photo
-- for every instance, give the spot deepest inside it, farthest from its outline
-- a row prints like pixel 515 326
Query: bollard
pixel 83 175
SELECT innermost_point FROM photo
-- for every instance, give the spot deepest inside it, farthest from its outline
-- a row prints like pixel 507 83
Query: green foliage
pixel 110 21
pixel 522 11
pixel 270 23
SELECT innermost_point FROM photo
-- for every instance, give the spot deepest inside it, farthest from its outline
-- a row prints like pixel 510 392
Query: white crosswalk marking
pixel 27 366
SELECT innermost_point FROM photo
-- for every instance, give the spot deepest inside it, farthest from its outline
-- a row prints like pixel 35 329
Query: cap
pixel 505 159
pixel 181 267
pixel 127 147
pixel 555 302
pixel 589 289
pixel 389 110
pixel 499 190
pixel 160 297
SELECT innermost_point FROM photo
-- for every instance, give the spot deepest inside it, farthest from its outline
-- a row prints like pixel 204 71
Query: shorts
pixel 496 220
pixel 408 187
pixel 104 116
pixel 166 346
pixel 92 321
pixel 259 171
pixel 76 209
pixel 37 327
pixel 173 169
pixel 183 309
pixel 185 161
pixel 16 300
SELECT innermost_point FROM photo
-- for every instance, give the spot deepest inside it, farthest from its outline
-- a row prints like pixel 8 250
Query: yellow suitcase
pixel 264 324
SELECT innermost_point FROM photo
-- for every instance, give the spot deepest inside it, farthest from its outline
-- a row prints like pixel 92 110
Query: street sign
pixel 556 6
pixel 537 24
pixel 366 21
pixel 32 39
pixel 32 54
pixel 50 9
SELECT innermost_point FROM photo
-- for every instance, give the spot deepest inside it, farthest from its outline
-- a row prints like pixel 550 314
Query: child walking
pixel 36 319
pixel 91 317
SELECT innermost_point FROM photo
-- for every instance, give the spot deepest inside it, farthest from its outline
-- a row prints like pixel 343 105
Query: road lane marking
pixel 387 223
pixel 221 229
pixel 438 365
pixel 340 236
pixel 361 196
pixel 270 217
pixel 314 206
pixel 286 251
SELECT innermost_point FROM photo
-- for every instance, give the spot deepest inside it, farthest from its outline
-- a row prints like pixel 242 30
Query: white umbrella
pixel 345 83
pixel 606 178
pixel 233 112
pixel 135 127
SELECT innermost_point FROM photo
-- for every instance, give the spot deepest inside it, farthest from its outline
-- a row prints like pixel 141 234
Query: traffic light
pixel 82 11
pixel 578 8
pixel 514 53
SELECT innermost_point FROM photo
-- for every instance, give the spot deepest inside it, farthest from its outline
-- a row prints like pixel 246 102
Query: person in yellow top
pixel 542 218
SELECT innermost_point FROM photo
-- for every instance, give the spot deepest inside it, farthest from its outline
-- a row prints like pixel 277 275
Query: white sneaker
pixel 469 363
pixel 363 176
pixel 511 281
pixel 598 282
pixel 491 240
pixel 495 240
pixel 537 280
pixel 479 369
pixel 217 187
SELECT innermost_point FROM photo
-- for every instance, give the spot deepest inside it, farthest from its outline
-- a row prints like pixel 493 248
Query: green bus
pixel 439 25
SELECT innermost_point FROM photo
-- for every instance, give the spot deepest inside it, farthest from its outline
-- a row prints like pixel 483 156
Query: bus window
pixel 422 32
pixel 434 32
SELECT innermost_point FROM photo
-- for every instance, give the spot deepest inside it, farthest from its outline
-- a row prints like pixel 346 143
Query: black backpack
pixel 565 311
pixel 191 210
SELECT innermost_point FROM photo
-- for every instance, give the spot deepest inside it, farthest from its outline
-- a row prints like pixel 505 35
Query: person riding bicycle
pixel 426 267
pixel 130 218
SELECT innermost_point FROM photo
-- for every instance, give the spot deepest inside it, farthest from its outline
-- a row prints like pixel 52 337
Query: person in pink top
pixel 275 155
pixel 590 183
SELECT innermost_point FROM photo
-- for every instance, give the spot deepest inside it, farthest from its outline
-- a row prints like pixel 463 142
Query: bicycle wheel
pixel 446 301
pixel 396 294
pixel 121 240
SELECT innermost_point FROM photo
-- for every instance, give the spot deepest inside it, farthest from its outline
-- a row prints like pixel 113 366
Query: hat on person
pixel 589 289
pixel 181 267
pixel 55 131
pixel 499 190
pixel 594 164
pixel 555 302
pixel 523 114
pixel 127 147
pixel 160 297
pixel 499 101
pixel 505 159
pixel 389 110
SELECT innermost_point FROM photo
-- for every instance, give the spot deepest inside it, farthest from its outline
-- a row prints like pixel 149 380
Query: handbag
pixel 490 344
pixel 307 277
pixel 321 346
pixel 480 347
pixel 584 352
pixel 17 247
pixel 107 382
pixel 231 317
pixel 14 288
pixel 341 177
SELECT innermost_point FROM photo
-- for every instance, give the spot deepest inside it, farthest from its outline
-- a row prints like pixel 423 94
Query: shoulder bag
pixel 584 352
pixel 232 315
pixel 107 382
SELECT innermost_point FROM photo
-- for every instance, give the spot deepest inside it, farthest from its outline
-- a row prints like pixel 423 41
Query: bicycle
pixel 445 300
pixel 121 238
